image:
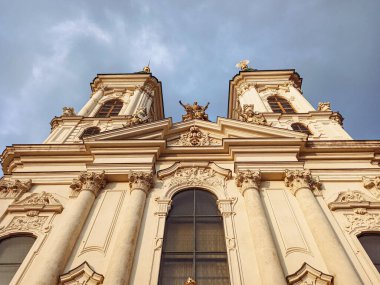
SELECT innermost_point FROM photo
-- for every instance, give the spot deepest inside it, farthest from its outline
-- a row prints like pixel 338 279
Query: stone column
pixel 91 104
pixel 265 248
pixel 301 184
pixel 52 258
pixel 121 261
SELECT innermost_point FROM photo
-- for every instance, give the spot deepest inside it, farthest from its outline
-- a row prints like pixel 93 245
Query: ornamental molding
pixel 164 206
pixel 195 137
pixel 298 179
pixel 352 200
pixel 372 185
pixel 141 181
pixel 324 106
pixel 88 181
pixel 226 206
pixel 29 223
pixel 268 90
pixel 202 174
pixel 36 203
pixel 248 115
pixel 81 275
pixel 13 188
pixel 362 220
pixel 308 275
pixel 244 87
pixel 248 180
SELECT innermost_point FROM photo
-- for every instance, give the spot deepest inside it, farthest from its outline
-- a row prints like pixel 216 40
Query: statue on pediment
pixel 194 111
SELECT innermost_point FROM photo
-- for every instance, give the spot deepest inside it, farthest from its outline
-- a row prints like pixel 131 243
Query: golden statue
pixel 194 111
pixel 190 281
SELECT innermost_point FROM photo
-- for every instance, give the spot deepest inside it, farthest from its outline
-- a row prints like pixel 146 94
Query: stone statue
pixel 139 117
pixel 68 112
pixel 194 111
pixel 248 115
pixel 324 106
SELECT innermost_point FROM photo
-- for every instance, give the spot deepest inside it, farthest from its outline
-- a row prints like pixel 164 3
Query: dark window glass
pixel 280 105
pixel 194 243
pixel 371 244
pixel 90 131
pixel 110 108
pixel 12 253
pixel 300 128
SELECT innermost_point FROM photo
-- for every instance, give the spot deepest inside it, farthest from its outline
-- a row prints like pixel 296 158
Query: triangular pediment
pixel 196 132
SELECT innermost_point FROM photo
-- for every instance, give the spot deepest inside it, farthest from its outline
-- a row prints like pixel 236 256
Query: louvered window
pixel 110 108
pixel 298 127
pixel 90 132
pixel 280 105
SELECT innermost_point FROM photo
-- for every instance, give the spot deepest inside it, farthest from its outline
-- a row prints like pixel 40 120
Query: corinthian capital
pixel 14 188
pixel 141 181
pixel 248 180
pixel 297 179
pixel 88 181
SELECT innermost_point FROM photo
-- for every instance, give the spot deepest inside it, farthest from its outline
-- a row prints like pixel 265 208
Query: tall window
pixel 90 132
pixel 298 127
pixel 12 253
pixel 110 108
pixel 280 105
pixel 194 243
pixel 371 244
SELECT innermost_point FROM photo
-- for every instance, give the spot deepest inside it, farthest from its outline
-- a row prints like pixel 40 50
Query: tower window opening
pixel 110 108
pixel 280 105
pixel 298 127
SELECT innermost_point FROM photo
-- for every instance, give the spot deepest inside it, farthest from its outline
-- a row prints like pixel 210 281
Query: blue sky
pixel 51 51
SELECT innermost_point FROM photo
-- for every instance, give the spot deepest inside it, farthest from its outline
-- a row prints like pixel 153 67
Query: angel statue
pixel 194 111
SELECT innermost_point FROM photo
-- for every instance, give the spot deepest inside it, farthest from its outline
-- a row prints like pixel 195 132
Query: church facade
pixel 275 193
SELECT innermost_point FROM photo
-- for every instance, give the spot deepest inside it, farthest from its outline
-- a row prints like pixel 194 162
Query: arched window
pixel 298 127
pixel 194 243
pixel 90 131
pixel 280 105
pixel 12 253
pixel 371 244
pixel 110 108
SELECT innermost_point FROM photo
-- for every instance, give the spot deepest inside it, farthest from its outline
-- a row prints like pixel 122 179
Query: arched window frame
pixel 90 131
pixel 173 184
pixel 299 127
pixel 281 109
pixel 102 111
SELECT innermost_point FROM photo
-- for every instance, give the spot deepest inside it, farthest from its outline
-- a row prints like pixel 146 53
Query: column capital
pixel 88 181
pixel 141 181
pixel 298 179
pixel 14 188
pixel 248 179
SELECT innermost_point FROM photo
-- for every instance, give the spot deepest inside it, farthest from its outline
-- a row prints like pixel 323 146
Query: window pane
pixel 183 204
pixel 212 269
pixel 205 203
pixel 371 244
pixel 176 269
pixel 179 235
pixel 210 234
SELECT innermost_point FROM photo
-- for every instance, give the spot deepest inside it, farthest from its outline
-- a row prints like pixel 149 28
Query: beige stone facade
pixel 293 204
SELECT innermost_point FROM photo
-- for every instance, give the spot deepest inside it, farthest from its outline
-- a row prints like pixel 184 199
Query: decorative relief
pixel 141 116
pixel 362 220
pixel 372 185
pixel 37 202
pixel 82 275
pixel 248 180
pixel 13 188
pixel 248 115
pixel 243 87
pixel 226 206
pixel 308 275
pixel 141 180
pixel 194 111
pixel 68 112
pixel 26 223
pixel 297 179
pixel 337 117
pixel 353 199
pixel 195 137
pixel 88 181
pixel 324 106
pixel 164 206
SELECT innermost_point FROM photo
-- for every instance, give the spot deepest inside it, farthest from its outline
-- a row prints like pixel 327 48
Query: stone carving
pixel 297 179
pixel 53 124
pixel 247 180
pixel 353 199
pixel 141 116
pixel 337 117
pixel 361 220
pixel 88 181
pixel 164 206
pixel 190 281
pixel 36 203
pixel 242 88
pixel 373 185
pixel 68 112
pixel 324 106
pixel 13 188
pixel 248 115
pixel 195 137
pixel 81 275
pixel 308 275
pixel 141 180
pixel 194 111
pixel 26 223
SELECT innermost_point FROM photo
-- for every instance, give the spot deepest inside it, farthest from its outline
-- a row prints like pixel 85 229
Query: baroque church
pixel 275 193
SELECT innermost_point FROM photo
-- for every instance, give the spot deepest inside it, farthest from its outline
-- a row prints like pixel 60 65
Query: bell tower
pixel 117 101
pixel 275 98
